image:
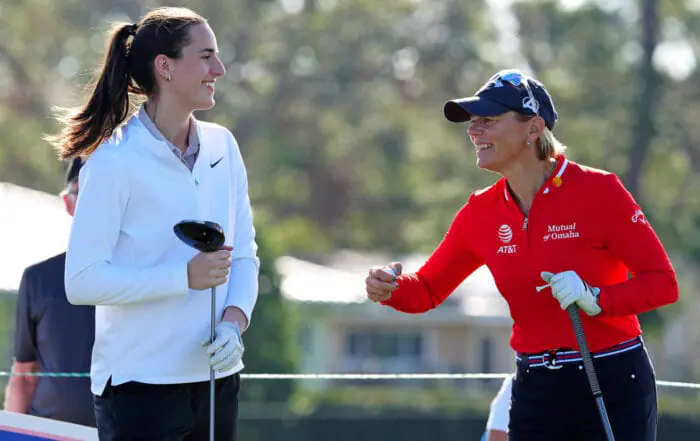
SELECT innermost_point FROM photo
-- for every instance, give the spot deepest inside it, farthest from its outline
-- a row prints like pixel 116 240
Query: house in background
pixel 34 226
pixel 343 332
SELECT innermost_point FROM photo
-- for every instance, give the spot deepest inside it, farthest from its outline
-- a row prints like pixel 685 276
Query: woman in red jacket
pixel 575 227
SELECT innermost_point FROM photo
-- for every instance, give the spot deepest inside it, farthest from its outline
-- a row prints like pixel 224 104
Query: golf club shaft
pixel 604 416
pixel 212 378
pixel 590 369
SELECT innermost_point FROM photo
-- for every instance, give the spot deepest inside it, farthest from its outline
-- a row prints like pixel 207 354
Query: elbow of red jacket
pixel 671 291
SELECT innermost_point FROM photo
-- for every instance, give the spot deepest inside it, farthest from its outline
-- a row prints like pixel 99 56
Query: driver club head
pixel 202 235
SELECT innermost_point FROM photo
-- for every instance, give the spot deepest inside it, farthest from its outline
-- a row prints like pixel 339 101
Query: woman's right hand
pixel 381 282
pixel 207 270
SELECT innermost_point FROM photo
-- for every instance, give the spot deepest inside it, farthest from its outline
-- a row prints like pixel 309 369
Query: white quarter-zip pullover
pixel 123 255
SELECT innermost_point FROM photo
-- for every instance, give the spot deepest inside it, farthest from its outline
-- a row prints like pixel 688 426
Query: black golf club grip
pixel 583 348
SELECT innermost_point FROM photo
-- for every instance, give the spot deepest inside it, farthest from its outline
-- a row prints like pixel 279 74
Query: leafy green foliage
pixel 271 338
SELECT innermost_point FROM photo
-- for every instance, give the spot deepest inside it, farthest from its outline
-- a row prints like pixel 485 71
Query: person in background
pixel 497 423
pixel 52 336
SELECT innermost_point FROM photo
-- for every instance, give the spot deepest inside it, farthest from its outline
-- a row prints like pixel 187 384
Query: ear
pixel 536 128
pixel 162 66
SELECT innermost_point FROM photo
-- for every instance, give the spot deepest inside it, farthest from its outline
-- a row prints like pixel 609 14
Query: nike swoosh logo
pixel 213 164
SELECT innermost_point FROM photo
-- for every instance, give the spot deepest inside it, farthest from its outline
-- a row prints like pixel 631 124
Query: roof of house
pixel 33 226
pixel 340 279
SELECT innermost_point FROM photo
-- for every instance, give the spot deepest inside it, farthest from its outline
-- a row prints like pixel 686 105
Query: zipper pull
pixel 525 224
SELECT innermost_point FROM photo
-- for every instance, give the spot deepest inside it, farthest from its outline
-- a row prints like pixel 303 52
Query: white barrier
pixel 19 427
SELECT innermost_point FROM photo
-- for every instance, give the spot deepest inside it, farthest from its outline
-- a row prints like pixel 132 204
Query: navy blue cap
pixel 507 90
pixel 73 169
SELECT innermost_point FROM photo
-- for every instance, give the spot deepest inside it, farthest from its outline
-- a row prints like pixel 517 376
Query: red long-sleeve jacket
pixel 582 219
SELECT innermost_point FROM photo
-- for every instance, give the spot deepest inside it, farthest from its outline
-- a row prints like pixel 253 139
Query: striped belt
pixel 556 358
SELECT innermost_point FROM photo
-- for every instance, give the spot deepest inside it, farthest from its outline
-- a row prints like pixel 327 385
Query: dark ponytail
pixel 107 104
pixel 127 68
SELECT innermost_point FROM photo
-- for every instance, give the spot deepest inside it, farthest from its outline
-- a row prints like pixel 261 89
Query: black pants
pixel 556 405
pixel 178 412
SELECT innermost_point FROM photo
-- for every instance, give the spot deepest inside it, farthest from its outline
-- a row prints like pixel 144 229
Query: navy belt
pixel 556 358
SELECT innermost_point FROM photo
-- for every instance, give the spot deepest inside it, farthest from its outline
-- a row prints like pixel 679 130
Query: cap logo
pixel 532 104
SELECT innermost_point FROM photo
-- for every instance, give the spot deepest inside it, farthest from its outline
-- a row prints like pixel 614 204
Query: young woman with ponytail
pixel 149 165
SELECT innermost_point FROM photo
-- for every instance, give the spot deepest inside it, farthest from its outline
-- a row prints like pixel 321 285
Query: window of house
pixel 384 344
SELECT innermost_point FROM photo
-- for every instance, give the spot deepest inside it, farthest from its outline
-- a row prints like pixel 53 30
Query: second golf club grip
pixel 583 348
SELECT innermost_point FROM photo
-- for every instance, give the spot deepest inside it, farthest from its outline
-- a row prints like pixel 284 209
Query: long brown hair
pixel 126 69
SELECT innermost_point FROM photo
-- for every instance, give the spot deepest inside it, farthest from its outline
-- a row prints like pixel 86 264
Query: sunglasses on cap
pixel 518 80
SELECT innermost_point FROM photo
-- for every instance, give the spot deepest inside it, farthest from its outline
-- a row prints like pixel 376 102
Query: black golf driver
pixel 587 358
pixel 590 369
pixel 206 237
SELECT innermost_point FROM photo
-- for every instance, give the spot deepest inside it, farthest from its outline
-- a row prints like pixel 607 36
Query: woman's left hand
pixel 568 288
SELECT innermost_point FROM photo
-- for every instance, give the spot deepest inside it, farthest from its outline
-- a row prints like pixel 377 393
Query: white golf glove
pixel 227 348
pixel 568 288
